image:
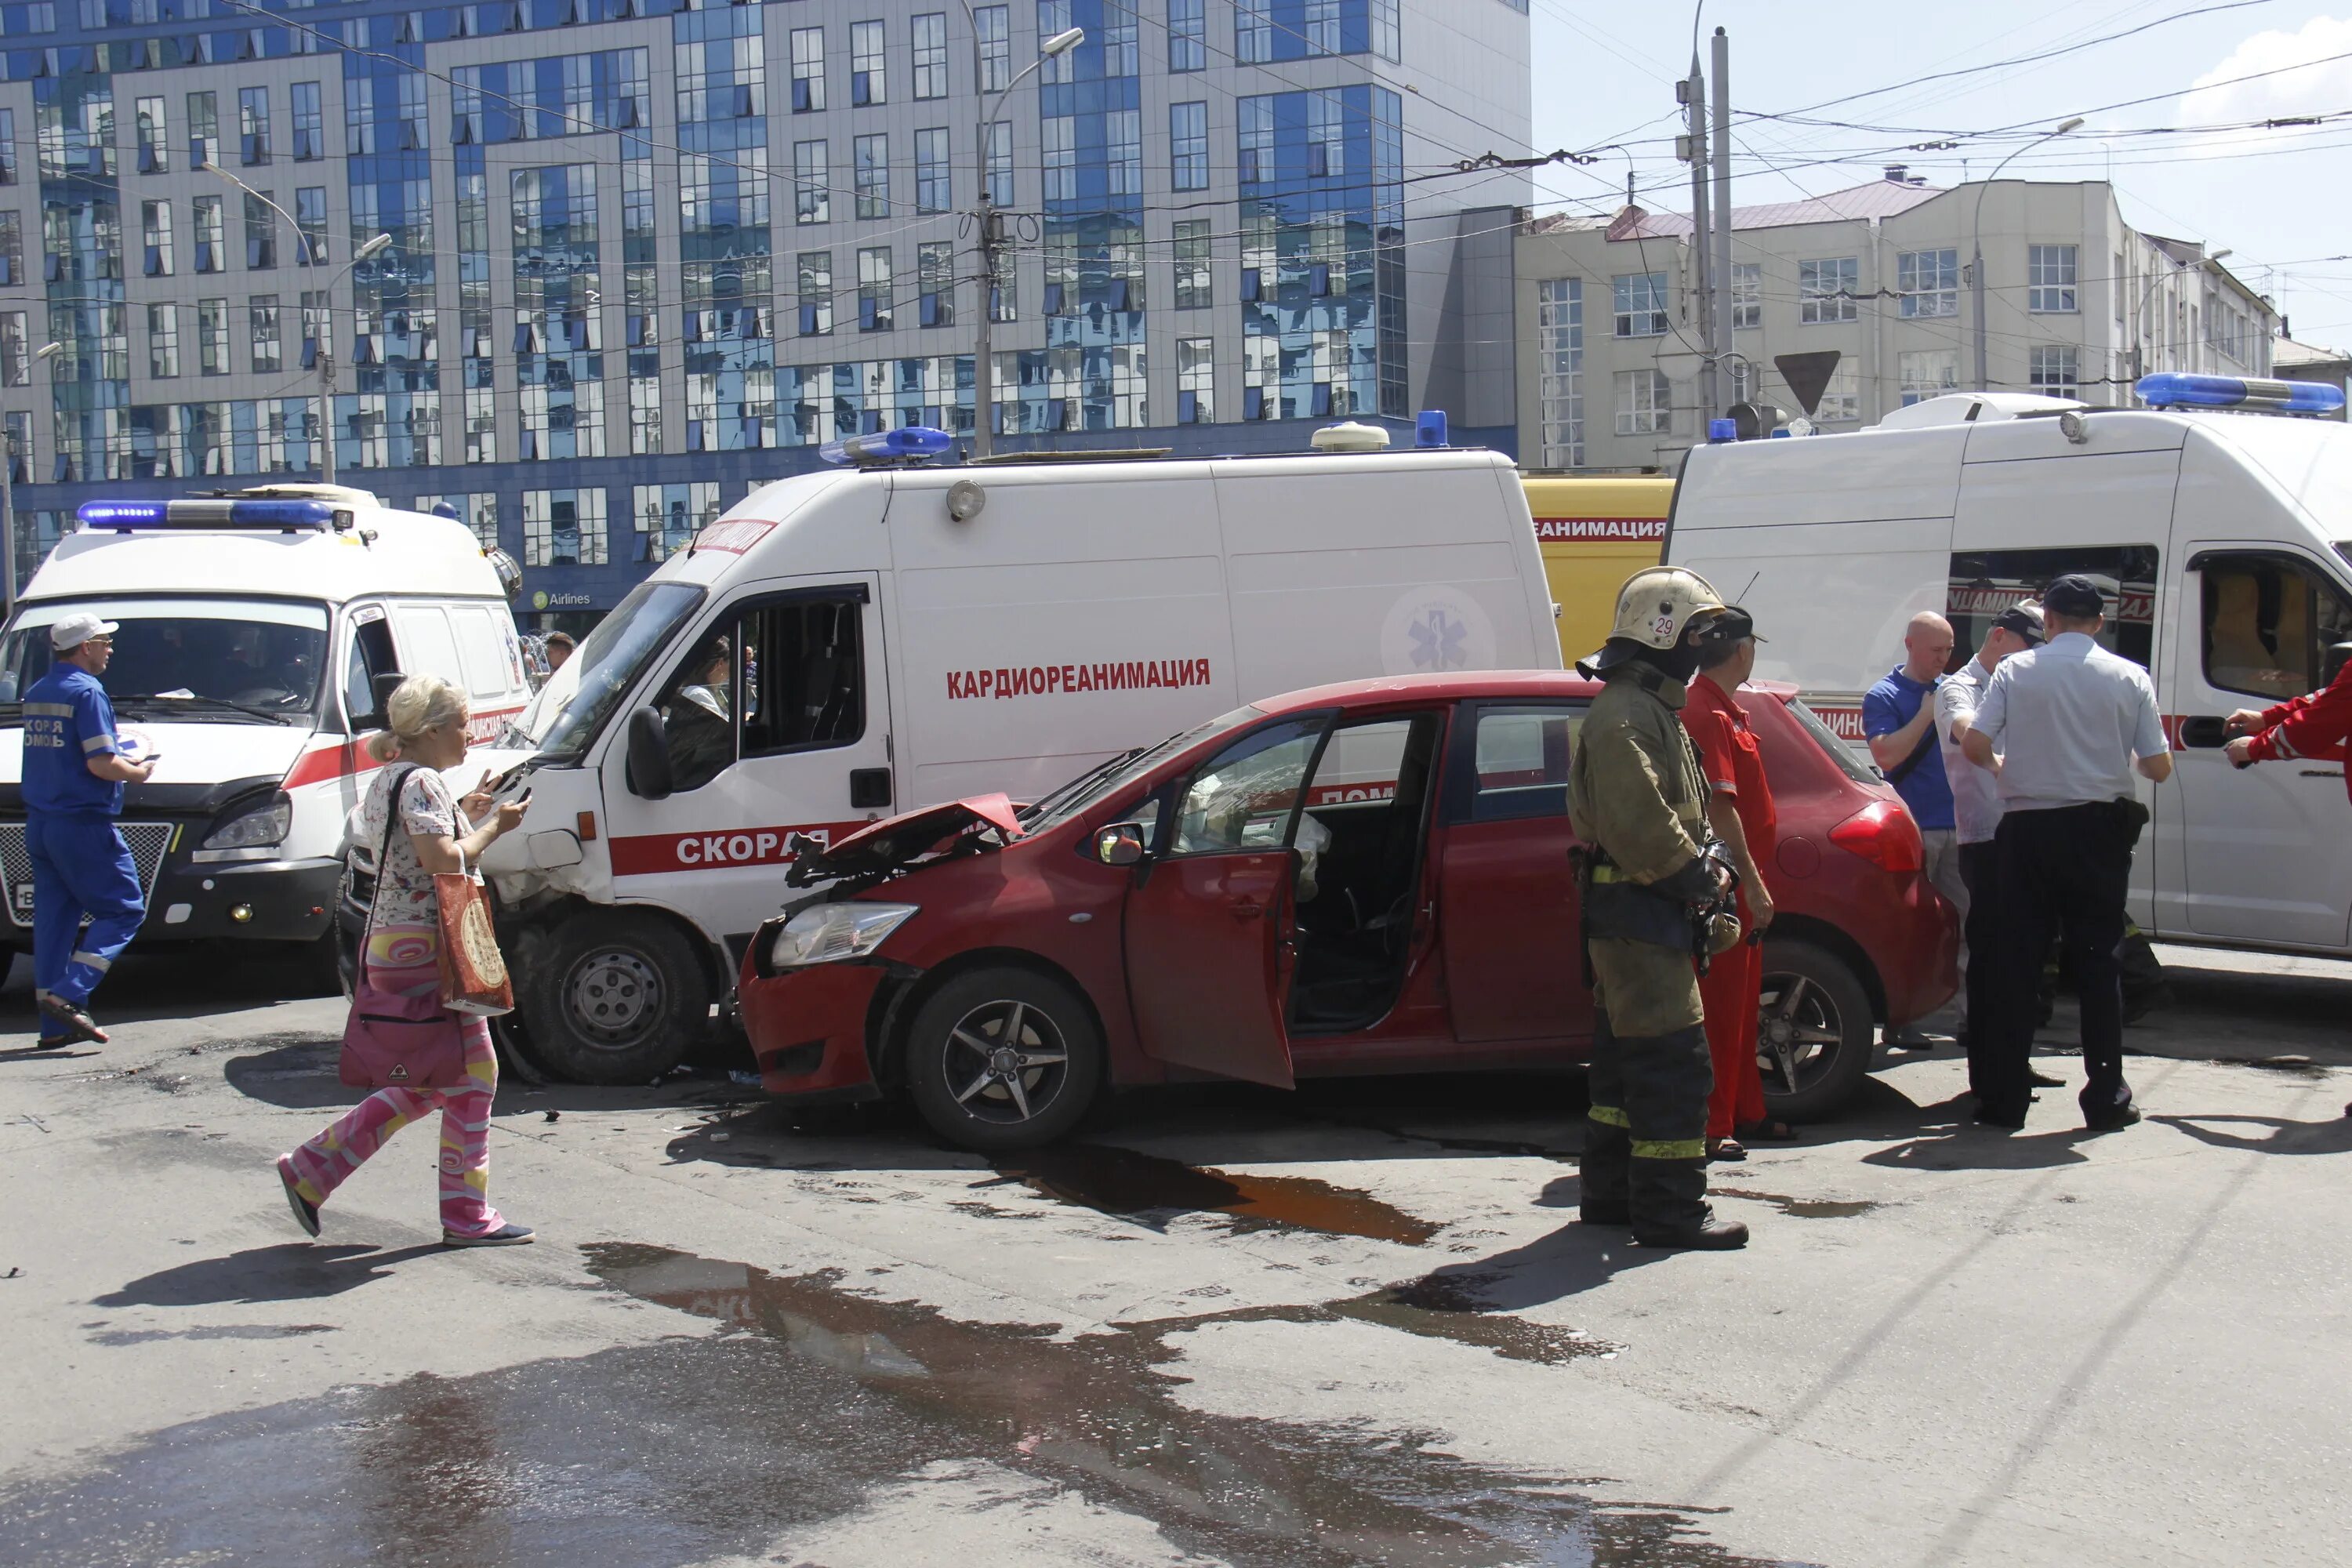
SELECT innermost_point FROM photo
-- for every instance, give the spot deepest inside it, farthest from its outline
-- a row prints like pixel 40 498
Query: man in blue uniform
pixel 74 775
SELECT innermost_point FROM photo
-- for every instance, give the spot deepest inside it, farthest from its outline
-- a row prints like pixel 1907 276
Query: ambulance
pixel 1595 531
pixel 2223 537
pixel 256 626
pixel 848 645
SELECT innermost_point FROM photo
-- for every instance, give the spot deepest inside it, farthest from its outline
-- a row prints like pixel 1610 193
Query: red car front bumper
pixel 808 1028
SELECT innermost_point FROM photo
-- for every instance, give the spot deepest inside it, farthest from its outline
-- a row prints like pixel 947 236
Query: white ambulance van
pixel 2224 539
pixel 255 626
pixel 847 645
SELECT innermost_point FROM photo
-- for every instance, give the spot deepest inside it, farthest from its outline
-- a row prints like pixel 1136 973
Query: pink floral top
pixel 404 887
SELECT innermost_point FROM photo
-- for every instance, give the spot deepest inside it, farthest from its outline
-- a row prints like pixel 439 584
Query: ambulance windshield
pixel 614 657
pixel 234 661
pixel 1107 777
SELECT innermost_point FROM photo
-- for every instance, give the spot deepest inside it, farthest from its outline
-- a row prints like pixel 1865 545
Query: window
pixel 1842 398
pixel 1188 35
pixel 155 226
pixel 162 341
pixel 1645 402
pixel 935 276
pixel 808 70
pixel 669 516
pixel 874 288
pixel 1057 141
pixel 204 130
pixel 253 125
pixel 1747 296
pixel 1388 32
pixel 873 175
pixel 260 233
pixel 1123 150
pixel 310 214
pixel 1985 582
pixel 212 336
pixel 1245 797
pixel 309 123
pixel 2270 621
pixel 1825 290
pixel 1000 163
pixel 1322 32
pixel 154 137
pixel 812 201
pixel 2053 372
pixel 789 674
pixel 1640 302
pixel 7 146
pixel 992 27
pixel 815 268
pixel 1188 140
pixel 1927 373
pixel 868 63
pixel 212 235
pixel 1122 55
pixel 1191 250
pixel 930 51
pixel 1559 373
pixel 934 184
pixel 1929 282
pixel 1053 20
pixel 2117 284
pixel 16 353
pixel 1196 381
pixel 1518 763
pixel 269 356
pixel 2050 278
pixel 1252 32
pixel 563 528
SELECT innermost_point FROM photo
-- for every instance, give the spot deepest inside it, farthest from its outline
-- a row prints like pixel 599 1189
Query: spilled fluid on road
pixel 1151 1190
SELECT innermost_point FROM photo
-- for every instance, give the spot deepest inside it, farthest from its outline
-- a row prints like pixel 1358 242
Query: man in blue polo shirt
pixel 1898 717
pixel 74 775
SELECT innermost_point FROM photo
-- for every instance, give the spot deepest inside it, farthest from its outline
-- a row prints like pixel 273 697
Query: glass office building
pixel 642 256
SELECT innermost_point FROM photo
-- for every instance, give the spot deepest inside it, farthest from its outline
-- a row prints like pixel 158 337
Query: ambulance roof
pixel 385 552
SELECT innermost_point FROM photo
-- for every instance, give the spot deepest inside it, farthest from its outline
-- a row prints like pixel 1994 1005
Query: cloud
pixel 2312 90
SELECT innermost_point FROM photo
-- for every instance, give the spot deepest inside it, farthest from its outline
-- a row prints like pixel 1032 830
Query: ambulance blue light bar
pixel 2176 389
pixel 909 444
pixel 124 515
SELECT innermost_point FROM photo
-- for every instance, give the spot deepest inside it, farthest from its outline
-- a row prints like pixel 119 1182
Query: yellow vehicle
pixel 1595 531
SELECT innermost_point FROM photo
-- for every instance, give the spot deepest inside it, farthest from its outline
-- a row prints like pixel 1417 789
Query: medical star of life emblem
pixel 1437 642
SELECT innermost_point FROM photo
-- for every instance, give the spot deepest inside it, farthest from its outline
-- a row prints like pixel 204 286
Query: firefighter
pixel 1656 892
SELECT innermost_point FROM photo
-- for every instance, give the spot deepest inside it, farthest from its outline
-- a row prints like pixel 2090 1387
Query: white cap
pixel 75 630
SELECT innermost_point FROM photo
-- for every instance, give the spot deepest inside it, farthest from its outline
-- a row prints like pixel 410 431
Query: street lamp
pixel 326 356
pixel 2139 353
pixel 1976 240
pixel 983 376
pixel 8 503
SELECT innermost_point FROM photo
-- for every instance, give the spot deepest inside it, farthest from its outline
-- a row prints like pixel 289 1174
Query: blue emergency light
pixel 907 444
pixel 2177 389
pixel 125 515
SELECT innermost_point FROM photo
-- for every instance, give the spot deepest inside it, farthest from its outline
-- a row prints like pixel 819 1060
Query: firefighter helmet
pixel 1658 603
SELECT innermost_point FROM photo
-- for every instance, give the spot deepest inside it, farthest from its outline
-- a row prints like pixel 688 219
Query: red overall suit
pixel 2313 727
pixel 1734 765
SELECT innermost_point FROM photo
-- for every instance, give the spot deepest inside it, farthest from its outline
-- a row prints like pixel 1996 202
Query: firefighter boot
pixel 1604 1169
pixel 1667 1080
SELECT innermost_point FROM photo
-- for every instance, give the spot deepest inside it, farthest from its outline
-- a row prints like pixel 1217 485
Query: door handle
pixel 1246 908
pixel 2204 731
pixel 2323 773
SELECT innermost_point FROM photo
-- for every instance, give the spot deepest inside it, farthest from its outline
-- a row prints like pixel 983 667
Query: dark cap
pixel 2023 620
pixel 2075 596
pixel 1731 625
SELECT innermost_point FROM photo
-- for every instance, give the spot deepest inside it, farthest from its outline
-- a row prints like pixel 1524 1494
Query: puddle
pixel 1151 1191
pixel 1803 1208
pixel 214 1332
pixel 1436 1307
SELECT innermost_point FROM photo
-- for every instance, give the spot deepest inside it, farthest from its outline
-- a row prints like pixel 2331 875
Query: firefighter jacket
pixel 1635 788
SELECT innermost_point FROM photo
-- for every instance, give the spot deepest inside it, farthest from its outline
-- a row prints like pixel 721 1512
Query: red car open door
pixel 1208 920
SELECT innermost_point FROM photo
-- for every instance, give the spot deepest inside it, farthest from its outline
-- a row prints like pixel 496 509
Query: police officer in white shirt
pixel 2063 728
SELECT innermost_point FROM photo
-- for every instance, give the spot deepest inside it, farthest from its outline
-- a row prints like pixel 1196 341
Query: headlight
pixel 831 932
pixel 258 827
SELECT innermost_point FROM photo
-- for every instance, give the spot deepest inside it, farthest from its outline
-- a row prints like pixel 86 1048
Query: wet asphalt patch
pixel 1151 1190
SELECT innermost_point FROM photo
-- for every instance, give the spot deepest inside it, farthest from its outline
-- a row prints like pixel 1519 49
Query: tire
pixel 614 997
pixel 973 1098
pixel 1815 1035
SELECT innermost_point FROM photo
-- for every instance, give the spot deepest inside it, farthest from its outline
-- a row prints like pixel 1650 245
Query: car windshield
pixel 234 661
pixel 1854 767
pixel 611 660
pixel 1108 778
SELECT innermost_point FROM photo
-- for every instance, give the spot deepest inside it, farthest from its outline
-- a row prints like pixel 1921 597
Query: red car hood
pixel 899 839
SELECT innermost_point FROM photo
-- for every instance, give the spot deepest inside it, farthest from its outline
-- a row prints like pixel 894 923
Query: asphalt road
pixel 1350 1325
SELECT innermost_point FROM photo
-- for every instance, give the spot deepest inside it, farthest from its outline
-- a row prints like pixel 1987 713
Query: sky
pixel 2279 198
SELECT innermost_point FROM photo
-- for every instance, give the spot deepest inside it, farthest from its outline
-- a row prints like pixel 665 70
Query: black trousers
pixel 2059 872
pixel 1645 1146
pixel 1982 934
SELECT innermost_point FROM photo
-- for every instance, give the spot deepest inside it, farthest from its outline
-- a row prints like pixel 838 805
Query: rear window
pixel 1838 751
pixel 483 649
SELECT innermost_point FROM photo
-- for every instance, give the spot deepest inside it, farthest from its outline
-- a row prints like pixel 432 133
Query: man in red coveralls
pixel 2313 727
pixel 1735 771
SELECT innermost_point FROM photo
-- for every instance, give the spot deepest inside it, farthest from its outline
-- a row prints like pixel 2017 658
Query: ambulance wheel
pixel 614 997
pixel 1003 1059
pixel 1815 1035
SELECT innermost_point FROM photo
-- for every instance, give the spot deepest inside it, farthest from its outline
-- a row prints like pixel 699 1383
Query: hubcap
pixel 1006 1062
pixel 1798 1032
pixel 615 996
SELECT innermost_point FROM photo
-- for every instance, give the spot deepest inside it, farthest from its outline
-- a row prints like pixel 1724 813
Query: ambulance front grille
pixel 149 842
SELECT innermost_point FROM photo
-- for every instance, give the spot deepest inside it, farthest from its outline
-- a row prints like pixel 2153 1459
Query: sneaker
pixel 505 1235
pixel 75 1025
pixel 306 1213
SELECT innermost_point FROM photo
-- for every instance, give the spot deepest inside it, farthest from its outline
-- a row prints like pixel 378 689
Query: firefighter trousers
pixel 1645 1143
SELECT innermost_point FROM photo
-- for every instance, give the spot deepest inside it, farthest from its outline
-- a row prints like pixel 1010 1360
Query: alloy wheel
pixel 1799 1031
pixel 1005 1062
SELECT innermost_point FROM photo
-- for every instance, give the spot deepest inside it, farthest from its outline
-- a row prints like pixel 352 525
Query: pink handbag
pixel 396 1041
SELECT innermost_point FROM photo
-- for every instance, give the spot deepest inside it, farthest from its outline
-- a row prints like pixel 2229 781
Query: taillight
pixel 1883 834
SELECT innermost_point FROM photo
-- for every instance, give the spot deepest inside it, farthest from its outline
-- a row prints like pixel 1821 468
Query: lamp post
pixel 325 352
pixel 8 505
pixel 983 368
pixel 2139 355
pixel 1976 240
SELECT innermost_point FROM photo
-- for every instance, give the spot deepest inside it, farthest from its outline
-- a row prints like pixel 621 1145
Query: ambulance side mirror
pixel 649 773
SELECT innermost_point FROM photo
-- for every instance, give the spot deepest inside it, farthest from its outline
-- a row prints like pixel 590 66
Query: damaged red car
pixel 1367 878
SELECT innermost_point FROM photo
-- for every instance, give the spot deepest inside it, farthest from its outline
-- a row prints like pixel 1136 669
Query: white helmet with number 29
pixel 1658 603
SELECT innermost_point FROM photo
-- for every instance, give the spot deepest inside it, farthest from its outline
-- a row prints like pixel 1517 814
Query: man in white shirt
pixel 2063 728
pixel 1976 809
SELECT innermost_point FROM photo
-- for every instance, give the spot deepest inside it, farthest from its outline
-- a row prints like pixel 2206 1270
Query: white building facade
pixel 2077 305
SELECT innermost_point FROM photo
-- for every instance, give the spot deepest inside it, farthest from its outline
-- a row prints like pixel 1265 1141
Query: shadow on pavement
pixel 2331 1136
pixel 300 1075
pixel 1967 1147
pixel 292 1272
pixel 1566 1262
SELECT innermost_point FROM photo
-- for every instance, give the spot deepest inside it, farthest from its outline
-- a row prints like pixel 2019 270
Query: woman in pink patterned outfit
pixel 403 954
